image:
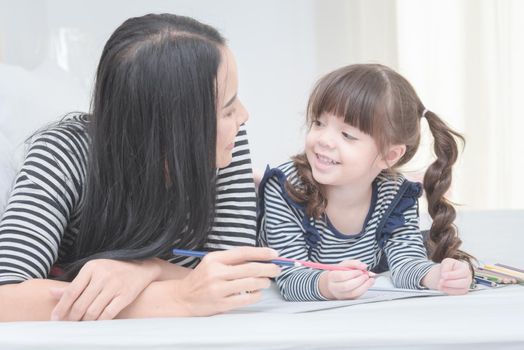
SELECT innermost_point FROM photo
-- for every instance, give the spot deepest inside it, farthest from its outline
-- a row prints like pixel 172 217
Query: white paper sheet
pixel 383 290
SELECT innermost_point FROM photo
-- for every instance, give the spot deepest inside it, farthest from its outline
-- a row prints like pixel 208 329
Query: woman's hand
pixel 451 276
pixel 225 280
pixel 102 289
pixel 349 284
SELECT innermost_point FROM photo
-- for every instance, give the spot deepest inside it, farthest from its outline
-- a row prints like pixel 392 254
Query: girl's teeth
pixel 326 160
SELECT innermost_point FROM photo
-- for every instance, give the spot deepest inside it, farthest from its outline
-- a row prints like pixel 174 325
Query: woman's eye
pixel 230 113
pixel 348 136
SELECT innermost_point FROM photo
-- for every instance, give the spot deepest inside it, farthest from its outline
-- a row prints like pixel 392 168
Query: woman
pixel 106 196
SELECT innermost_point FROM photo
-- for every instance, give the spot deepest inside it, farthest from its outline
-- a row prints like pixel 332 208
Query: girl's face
pixel 340 154
pixel 230 111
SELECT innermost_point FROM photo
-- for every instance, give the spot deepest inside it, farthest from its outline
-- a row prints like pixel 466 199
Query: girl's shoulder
pixel 397 184
pixel 278 176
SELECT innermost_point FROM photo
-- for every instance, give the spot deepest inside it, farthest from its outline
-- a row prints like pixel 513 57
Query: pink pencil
pixel 320 266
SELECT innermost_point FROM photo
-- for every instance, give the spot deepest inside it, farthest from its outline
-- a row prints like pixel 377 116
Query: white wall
pixel 466 67
pixel 49 51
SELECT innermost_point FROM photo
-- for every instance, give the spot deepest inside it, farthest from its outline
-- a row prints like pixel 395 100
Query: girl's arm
pixel 410 267
pixel 282 230
pixel 406 254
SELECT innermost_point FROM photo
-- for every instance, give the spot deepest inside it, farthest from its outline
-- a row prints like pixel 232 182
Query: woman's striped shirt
pixel 42 217
pixel 391 229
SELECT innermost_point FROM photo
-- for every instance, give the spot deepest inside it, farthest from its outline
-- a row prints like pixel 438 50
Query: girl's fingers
pixel 70 295
pixel 456 274
pixel 342 276
pixel 455 284
pixel 82 303
pixel 349 285
pixel 356 264
pixel 360 289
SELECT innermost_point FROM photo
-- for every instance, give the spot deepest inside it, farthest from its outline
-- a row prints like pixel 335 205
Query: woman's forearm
pixel 168 271
pixel 28 301
pixel 157 300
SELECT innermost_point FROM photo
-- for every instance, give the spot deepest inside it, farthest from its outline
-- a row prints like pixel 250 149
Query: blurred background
pixel 464 58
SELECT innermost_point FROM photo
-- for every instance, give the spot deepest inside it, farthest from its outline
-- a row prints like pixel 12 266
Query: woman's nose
pixel 244 114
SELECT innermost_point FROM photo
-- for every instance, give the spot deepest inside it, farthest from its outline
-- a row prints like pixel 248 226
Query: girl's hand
pixel 225 280
pixel 346 284
pixel 455 277
pixel 102 289
pixel 450 276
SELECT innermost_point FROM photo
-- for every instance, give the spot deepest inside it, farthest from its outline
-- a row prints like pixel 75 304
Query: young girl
pixel 161 162
pixel 343 202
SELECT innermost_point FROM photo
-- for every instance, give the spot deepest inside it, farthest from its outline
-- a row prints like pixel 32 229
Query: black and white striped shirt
pixel 391 228
pixel 42 217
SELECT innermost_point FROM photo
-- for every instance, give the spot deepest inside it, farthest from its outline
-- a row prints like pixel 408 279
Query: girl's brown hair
pixel 381 103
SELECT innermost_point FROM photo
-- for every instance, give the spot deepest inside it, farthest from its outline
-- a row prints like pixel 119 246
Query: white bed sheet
pixel 492 319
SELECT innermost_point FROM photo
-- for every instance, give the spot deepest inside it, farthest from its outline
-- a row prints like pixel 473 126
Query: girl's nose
pixel 326 139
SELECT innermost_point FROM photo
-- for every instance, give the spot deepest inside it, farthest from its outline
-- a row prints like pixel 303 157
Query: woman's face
pixel 230 111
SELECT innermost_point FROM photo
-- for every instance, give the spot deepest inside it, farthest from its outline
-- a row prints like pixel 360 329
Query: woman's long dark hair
pixel 151 166
pixel 381 103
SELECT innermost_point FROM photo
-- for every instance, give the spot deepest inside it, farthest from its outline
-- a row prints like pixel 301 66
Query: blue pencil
pixel 485 282
pixel 200 254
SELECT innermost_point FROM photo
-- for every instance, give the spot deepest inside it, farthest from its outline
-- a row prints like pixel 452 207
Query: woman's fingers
pixel 241 255
pixel 99 304
pixel 251 269
pixel 250 284
pixel 70 295
pixel 240 300
pixel 83 302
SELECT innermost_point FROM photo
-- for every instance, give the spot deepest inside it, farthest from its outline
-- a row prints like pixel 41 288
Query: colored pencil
pixel 510 268
pixel 505 271
pixel 496 273
pixel 482 281
pixel 281 262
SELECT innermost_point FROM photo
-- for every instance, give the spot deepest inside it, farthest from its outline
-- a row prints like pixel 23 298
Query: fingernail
pixel 54 317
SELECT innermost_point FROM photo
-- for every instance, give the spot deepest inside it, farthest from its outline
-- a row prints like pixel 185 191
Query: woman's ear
pixel 392 156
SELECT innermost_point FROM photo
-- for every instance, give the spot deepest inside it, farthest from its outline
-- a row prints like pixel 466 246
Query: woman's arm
pixel 105 287
pixel 28 301
pixel 222 281
pixel 218 284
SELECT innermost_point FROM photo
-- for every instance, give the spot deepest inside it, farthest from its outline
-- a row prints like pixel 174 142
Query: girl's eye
pixel 317 123
pixel 348 136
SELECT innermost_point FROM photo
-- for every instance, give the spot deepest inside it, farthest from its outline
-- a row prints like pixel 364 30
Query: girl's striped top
pixel 41 220
pixel 390 234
